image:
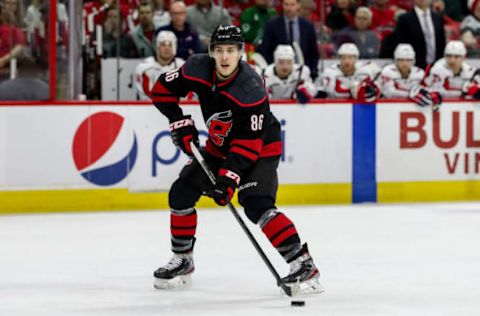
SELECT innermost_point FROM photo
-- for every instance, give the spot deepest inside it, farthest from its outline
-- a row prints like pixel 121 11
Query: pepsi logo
pixel 104 149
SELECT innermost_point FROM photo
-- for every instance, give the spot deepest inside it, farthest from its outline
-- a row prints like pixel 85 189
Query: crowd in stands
pixel 315 29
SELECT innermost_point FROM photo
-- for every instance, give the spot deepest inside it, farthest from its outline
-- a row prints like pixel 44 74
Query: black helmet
pixel 227 34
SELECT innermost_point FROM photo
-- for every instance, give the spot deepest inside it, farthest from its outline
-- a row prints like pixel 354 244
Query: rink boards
pixel 119 156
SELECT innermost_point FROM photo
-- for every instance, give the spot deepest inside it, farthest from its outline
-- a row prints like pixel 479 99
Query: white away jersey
pixel 443 80
pixel 392 85
pixel 337 85
pixel 284 88
pixel 147 73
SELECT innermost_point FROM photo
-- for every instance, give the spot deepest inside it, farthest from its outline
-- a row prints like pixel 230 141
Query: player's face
pixel 454 62
pixel 347 63
pixel 404 66
pixel 226 58
pixel 291 8
pixel 284 67
pixel 165 51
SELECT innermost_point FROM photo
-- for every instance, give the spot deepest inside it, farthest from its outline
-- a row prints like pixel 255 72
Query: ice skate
pixel 176 274
pixel 304 275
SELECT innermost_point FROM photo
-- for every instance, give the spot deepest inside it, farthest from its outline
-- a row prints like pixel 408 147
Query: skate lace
pixel 174 263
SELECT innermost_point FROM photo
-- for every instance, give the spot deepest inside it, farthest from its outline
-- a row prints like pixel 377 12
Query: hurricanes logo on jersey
pixel 219 126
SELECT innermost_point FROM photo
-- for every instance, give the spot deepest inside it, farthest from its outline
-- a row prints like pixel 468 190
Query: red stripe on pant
pixel 184 225
pixel 275 226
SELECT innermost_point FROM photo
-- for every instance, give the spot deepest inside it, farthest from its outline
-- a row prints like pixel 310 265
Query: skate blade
pixel 178 283
pixel 311 286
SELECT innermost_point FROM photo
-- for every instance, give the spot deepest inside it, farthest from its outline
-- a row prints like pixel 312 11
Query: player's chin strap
pixel 211 176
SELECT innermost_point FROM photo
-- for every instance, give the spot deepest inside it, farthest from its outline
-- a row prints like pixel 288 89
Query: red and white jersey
pixel 392 85
pixel 444 81
pixel 337 85
pixel 147 73
pixel 285 88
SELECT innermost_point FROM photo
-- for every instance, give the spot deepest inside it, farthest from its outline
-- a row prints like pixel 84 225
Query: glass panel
pixel 24 50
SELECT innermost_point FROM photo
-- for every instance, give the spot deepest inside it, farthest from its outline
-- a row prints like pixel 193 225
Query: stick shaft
pixel 211 176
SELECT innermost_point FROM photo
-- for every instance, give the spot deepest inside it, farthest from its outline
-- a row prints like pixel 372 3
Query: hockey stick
pixel 211 176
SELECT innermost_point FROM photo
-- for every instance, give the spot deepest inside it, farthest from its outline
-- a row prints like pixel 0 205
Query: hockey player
pixel 404 80
pixel 148 71
pixel 349 78
pixel 286 80
pixel 452 77
pixel 243 150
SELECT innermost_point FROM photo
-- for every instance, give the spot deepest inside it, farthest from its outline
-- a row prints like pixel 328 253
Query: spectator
pixel 341 15
pixel 438 6
pixel 187 38
pixel 148 71
pixel 253 21
pixel 349 78
pixel 114 29
pixel 14 9
pixel 309 11
pixel 160 16
pixel 12 42
pixel 24 89
pixel 403 5
pixel 470 30
pixel 95 13
pixel 456 9
pixel 367 41
pixel 145 31
pixel 287 29
pixel 383 18
pixel 403 79
pixel 206 16
pixel 452 77
pixel 235 8
pixel 424 30
pixel 286 80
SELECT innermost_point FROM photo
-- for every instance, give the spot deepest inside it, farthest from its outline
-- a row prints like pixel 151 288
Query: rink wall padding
pixel 103 156
pixel 47 201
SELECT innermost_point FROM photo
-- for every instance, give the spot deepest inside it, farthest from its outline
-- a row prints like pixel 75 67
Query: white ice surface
pixel 375 260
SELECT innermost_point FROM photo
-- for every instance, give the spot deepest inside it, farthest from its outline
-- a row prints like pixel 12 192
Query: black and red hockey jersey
pixel 237 114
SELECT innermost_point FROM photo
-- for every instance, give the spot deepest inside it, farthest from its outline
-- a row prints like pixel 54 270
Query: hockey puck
pixel 297 303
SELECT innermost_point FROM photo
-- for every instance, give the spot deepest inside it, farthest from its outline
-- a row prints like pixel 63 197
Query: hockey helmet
pixel 167 36
pixel 348 49
pixel 284 52
pixel 456 48
pixel 227 34
pixel 404 51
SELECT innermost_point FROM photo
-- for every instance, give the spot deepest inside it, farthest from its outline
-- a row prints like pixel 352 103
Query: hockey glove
pixel 471 89
pixel 366 91
pixel 302 95
pixel 436 100
pixel 183 131
pixel 225 186
pixel 421 96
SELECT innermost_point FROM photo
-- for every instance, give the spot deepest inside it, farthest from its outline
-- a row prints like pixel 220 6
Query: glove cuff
pixel 229 174
pixel 185 121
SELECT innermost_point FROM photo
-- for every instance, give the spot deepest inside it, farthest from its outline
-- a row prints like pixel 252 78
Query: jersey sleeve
pixel 306 81
pixel 166 92
pixel 325 85
pixel 247 137
pixel 388 88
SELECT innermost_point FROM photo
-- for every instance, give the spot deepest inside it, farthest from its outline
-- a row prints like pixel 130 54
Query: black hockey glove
pixel 302 95
pixel 183 131
pixel 225 186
